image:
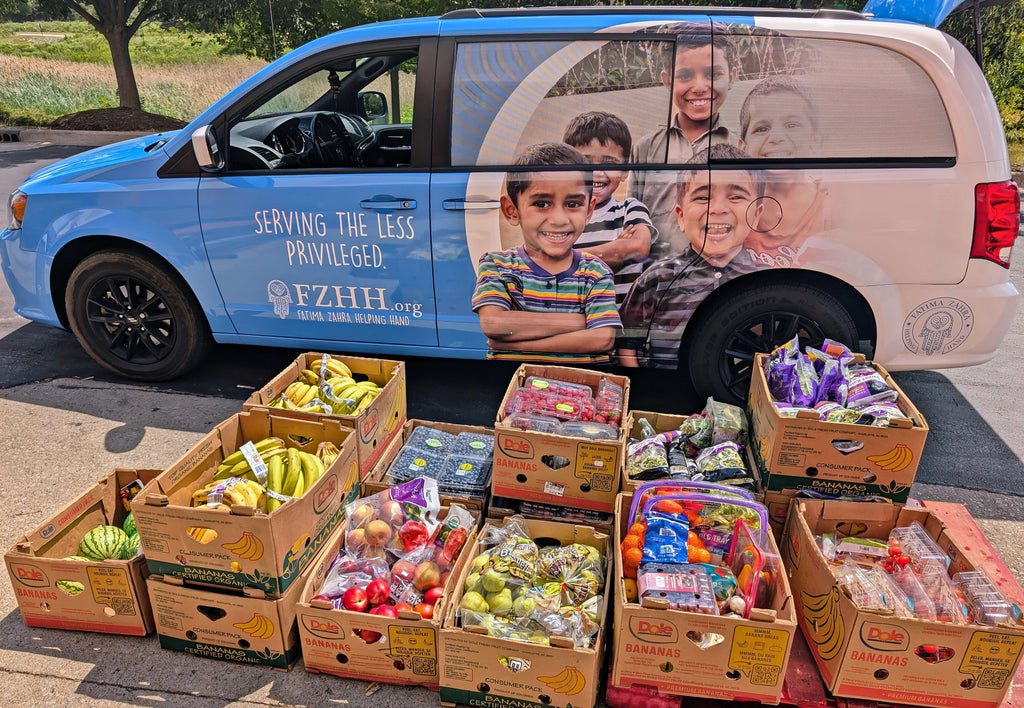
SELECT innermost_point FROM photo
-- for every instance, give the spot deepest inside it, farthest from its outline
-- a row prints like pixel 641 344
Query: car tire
pixel 113 298
pixel 722 340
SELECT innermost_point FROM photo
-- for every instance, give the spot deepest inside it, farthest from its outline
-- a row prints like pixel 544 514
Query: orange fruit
pixel 630 542
pixel 668 506
pixel 696 554
pixel 637 529
pixel 631 561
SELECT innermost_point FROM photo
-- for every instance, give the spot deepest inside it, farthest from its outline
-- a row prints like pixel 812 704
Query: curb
pixel 69 137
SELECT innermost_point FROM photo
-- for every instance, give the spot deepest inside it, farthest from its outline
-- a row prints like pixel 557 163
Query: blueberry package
pixel 467 443
pixel 412 462
pixel 464 474
pixel 431 439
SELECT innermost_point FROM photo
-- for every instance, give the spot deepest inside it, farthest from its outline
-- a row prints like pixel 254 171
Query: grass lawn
pixel 1016 155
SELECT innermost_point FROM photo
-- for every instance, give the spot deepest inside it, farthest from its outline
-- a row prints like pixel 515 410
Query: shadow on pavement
pixel 962 449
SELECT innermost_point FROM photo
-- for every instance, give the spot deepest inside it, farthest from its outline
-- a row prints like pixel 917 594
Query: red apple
pixel 354 599
pixel 378 591
pixel 321 597
pixel 403 572
pixel 385 611
pixel 432 595
pixel 413 535
pixel 425 610
pixel 392 512
pixel 403 606
pixel 427 575
pixel 368 635
pixel 378 532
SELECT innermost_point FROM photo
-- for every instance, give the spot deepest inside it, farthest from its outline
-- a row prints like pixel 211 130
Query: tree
pixel 119 20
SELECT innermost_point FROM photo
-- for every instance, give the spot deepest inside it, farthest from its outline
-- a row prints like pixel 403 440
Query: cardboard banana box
pixel 478 669
pixel 105 596
pixel 875 655
pixel 245 548
pixel 374 425
pixel 693 654
pixel 838 459
pixel 559 469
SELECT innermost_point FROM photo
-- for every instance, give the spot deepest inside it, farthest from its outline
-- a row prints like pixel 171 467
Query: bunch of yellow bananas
pixel 234 490
pixel 258 626
pixel 327 366
pixel 235 464
pixel 327 385
pixel 351 396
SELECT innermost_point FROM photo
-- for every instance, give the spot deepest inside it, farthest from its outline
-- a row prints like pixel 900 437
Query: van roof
pixel 478 13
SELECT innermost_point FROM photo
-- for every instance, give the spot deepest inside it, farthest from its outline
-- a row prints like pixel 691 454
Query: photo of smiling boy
pixel 779 120
pixel 699 70
pixel 715 212
pixel 620 233
pixel 544 300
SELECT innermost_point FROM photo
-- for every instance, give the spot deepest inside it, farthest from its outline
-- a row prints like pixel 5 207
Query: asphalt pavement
pixel 64 424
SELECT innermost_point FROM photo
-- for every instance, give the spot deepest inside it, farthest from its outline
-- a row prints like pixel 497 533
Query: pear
pixel 474 602
pixel 493 582
pixel 500 603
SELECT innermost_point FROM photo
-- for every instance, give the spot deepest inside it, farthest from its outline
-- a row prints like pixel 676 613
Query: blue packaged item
pixel 665 538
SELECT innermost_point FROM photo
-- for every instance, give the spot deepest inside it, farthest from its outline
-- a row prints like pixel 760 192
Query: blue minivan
pixel 714 182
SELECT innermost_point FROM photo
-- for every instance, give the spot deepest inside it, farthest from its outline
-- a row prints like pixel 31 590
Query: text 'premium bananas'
pixel 327 386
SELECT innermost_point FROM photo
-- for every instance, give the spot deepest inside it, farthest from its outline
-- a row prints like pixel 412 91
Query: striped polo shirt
pixel 607 224
pixel 511 280
pixel 663 299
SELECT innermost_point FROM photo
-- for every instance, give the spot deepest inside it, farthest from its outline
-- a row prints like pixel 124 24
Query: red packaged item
pixel 685 586
pixel 429 562
pixel 608 404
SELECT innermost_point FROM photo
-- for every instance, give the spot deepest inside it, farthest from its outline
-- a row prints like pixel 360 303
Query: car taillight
pixel 996 221
pixel 16 206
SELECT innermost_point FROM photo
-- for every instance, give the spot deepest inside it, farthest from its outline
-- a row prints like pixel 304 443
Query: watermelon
pixel 129 524
pixel 130 547
pixel 103 542
pixel 71 587
pixel 79 558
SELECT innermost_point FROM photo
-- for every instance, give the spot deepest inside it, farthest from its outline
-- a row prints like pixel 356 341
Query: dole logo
pixel 884 637
pixel 48 531
pixel 325 628
pixel 30 576
pixel 516 447
pixel 368 426
pixel 653 631
pixel 324 496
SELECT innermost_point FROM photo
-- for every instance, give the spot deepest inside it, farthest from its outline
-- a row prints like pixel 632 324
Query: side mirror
pixel 204 145
pixel 374 106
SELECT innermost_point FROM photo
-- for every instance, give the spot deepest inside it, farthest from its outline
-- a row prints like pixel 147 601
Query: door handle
pixel 466 204
pixel 388 204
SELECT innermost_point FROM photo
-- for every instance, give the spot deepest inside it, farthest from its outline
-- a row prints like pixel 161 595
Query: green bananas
pixel 291 475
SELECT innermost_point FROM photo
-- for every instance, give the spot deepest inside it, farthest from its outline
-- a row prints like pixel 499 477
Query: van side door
pixel 318 227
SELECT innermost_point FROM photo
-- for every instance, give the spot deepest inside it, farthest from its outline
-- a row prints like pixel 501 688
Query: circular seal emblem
pixel 938 326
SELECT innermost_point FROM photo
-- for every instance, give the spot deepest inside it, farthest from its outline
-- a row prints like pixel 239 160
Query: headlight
pixel 16 208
